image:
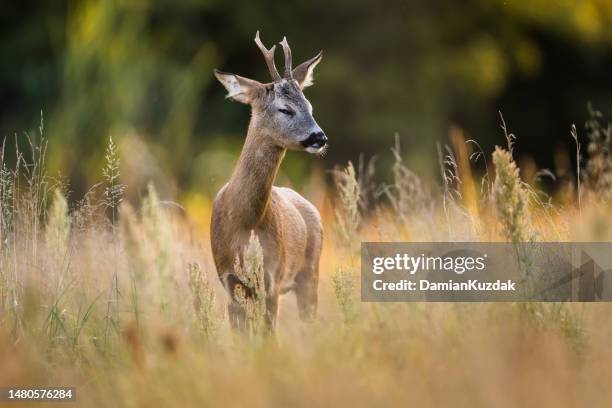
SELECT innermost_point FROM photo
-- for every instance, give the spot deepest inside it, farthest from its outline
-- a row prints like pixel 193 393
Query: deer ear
pixel 303 72
pixel 238 88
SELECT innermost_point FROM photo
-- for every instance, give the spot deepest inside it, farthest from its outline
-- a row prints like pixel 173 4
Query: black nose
pixel 320 138
pixel 316 140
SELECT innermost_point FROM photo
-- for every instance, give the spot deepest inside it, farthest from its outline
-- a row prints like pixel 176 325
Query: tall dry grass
pixel 124 303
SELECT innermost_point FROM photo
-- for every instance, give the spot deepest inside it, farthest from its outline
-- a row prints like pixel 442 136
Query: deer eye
pixel 288 112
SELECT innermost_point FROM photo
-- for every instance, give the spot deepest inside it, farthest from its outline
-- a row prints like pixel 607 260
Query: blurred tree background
pixel 141 71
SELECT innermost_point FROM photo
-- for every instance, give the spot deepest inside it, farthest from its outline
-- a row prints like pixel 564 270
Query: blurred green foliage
pixel 141 71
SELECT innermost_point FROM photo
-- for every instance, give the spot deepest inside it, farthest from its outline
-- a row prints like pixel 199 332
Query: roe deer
pixel 287 225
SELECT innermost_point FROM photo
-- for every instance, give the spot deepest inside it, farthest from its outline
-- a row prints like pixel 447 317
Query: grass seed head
pixel 510 197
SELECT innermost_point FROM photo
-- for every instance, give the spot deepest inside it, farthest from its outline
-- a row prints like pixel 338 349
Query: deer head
pixel 280 111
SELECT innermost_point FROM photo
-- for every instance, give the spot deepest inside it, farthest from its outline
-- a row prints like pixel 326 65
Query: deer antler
pixel 269 56
pixel 288 59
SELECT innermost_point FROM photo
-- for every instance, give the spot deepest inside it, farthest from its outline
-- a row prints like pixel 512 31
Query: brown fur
pixel 287 225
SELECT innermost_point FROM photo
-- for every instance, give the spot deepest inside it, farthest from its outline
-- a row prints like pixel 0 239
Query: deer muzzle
pixel 315 141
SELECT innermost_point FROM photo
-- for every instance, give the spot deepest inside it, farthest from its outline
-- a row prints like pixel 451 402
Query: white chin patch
pixel 314 150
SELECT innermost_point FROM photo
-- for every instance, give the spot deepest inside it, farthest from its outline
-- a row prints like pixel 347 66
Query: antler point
pixel 269 57
pixel 288 59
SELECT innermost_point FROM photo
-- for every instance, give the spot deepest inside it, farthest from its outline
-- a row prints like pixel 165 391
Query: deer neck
pixel 248 191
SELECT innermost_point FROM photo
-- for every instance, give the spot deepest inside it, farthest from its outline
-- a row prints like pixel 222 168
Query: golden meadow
pixel 124 304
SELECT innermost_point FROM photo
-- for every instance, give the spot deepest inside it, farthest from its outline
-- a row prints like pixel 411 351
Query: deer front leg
pixel 237 306
pixel 235 310
pixel 237 316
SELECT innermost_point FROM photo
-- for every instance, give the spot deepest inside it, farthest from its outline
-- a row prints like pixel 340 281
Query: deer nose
pixel 317 139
